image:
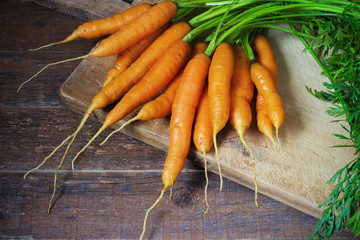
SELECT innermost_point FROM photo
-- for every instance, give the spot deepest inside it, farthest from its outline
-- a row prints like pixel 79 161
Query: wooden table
pixel 108 193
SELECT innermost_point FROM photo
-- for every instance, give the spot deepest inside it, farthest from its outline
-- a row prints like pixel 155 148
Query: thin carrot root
pixel 73 135
pixel 83 149
pixel 279 150
pixel 217 160
pixel 120 128
pixel 207 183
pixel 49 45
pixel 147 212
pixel 52 153
pixel 171 193
pixel 278 140
pixel 241 135
pixel 56 173
pixel 50 64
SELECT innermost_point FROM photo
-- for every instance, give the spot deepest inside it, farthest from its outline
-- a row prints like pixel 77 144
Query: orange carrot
pixel 147 23
pixel 242 91
pixel 161 106
pixel 220 73
pixel 120 85
pixel 115 89
pixel 199 47
pixel 264 124
pixel 163 71
pixel 123 82
pixel 158 108
pixel 183 112
pixel 266 86
pixel 129 55
pixel 203 132
pixel 265 56
pixel 105 26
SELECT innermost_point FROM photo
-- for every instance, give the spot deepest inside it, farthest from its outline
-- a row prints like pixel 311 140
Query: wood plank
pixel 76 8
pixel 306 136
pixel 36 134
pixel 106 205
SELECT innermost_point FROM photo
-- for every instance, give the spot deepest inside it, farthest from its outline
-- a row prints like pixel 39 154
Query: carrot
pixel 183 112
pixel 105 26
pixel 203 132
pixel 147 23
pixel 144 25
pixel 129 55
pixel 265 56
pixel 116 88
pixel 242 90
pixel 161 106
pixel 123 82
pixel 220 73
pixel 199 47
pixel 267 88
pixel 158 108
pixel 120 85
pixel 163 71
pixel 264 124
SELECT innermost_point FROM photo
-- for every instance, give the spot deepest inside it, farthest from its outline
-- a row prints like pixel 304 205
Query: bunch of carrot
pixel 202 86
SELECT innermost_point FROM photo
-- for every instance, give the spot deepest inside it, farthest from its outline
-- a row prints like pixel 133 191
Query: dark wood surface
pixel 108 193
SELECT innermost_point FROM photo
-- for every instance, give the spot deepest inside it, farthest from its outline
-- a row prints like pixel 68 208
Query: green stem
pixel 212 45
pixel 263 10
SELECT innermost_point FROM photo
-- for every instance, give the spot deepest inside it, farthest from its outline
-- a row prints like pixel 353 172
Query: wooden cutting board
pixel 297 176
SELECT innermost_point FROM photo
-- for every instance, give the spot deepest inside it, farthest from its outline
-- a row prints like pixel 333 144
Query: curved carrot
pixel 263 121
pixel 220 73
pixel 144 25
pixel 242 91
pixel 183 112
pixel 203 132
pixel 105 26
pixel 162 72
pixel 265 56
pixel 266 86
pixel 129 55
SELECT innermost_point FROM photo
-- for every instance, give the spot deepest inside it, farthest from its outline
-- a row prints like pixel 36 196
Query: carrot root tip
pixel 241 135
pixel 83 149
pixel 217 160
pixel 119 129
pixel 50 64
pixel 207 183
pixel 148 211
pixel 47 45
